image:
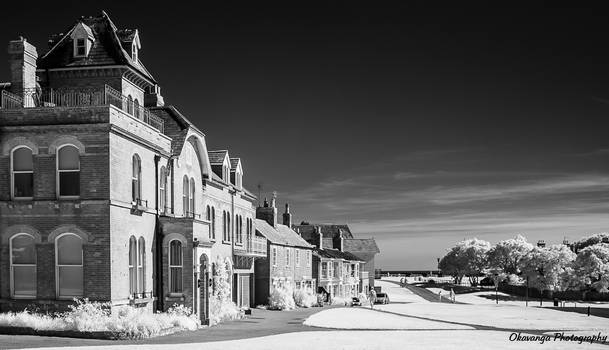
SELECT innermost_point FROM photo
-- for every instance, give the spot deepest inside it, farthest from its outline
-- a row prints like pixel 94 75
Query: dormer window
pixel 83 39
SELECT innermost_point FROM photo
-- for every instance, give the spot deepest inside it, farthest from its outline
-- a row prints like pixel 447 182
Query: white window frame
pixel 213 222
pixel 12 272
pixel 296 257
pixel 287 256
pixel 309 258
pixel 274 255
pixel 141 265
pixel 136 199
pixel 58 172
pixel 84 46
pixel 170 266
pixel 13 172
pixel 163 190
pixel 57 266
pixel 191 196
pixel 133 251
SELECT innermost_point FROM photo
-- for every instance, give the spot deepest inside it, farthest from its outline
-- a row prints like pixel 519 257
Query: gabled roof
pixel 367 245
pixel 234 163
pixel 280 234
pixel 336 254
pixel 217 157
pixel 107 48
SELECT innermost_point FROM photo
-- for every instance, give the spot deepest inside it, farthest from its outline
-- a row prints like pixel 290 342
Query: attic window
pixel 81 47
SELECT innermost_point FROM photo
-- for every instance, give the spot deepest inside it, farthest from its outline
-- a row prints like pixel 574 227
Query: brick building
pixel 290 258
pixel 339 237
pixel 105 191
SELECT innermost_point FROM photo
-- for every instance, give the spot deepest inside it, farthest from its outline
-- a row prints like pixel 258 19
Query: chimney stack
pixel 267 213
pixel 22 60
pixel 287 217
pixel 153 97
pixel 321 238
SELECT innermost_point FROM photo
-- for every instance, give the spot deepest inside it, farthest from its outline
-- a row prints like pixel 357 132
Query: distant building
pixel 339 237
pixel 289 261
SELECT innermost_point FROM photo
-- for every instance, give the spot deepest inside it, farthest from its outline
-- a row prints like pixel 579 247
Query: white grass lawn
pixel 363 318
pixel 399 294
pixel 369 340
pixel 502 316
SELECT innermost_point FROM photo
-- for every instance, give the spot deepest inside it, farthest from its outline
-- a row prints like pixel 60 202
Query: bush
pixel 341 301
pixel 122 322
pixel 281 299
pixel 221 310
pixel 304 298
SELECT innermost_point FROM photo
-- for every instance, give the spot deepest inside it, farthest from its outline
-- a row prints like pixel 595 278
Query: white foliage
pixel 221 306
pixel 124 321
pixel 305 298
pixel 282 298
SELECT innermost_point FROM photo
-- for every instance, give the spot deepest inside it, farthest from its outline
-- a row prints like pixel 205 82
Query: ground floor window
pixel 175 266
pixel 23 266
pixel 69 265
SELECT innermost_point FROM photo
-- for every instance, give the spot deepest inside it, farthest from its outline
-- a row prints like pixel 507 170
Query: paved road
pixel 260 323
pixel 423 293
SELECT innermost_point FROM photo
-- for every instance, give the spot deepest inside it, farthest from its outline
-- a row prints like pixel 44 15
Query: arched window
pixel 22 172
pixel 185 192
pixel 136 109
pixel 228 227
pixel 69 265
pixel 175 266
pixel 23 266
pixel 130 104
pixel 163 190
pixel 68 171
pixel 224 225
pixel 136 179
pixel 132 264
pixel 141 265
pixel 213 223
pixel 192 197
pixel 240 226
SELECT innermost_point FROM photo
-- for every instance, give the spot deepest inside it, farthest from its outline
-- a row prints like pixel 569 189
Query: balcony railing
pixel 252 246
pixel 48 97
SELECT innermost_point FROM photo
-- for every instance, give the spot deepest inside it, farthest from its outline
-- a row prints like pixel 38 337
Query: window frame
pixel 136 179
pixel 192 197
pixel 77 46
pixel 141 265
pixel 296 257
pixel 163 190
pixel 213 223
pixel 12 265
pixel 58 172
pixel 57 266
pixel 13 172
pixel 287 257
pixel 180 266
pixel 132 266
pixel 274 255
pixel 185 195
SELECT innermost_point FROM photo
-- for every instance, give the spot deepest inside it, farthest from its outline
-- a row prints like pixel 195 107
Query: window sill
pixel 61 198
pixel 175 296
pixel 22 199
pixel 23 297
pixel 226 242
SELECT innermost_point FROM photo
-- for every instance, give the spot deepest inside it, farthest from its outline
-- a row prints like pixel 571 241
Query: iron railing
pixel 48 97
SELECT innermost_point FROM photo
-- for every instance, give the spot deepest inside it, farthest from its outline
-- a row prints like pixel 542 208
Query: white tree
pixel 506 255
pixel 545 267
pixel 466 258
pixel 591 267
pixel 597 238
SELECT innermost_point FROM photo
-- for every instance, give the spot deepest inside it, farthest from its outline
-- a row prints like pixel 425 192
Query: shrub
pixel 341 301
pixel 304 298
pixel 281 299
pixel 221 307
pixel 122 321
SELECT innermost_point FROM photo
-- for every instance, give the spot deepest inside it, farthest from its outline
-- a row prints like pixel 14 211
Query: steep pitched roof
pixel 217 157
pixel 280 234
pixel 176 126
pixel 234 162
pixel 107 48
pixel 328 230
pixel 360 245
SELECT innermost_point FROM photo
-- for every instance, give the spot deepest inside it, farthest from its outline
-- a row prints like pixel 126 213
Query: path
pixel 422 292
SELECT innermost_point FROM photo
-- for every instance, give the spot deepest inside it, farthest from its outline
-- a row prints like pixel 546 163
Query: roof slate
pixel 217 157
pixel 336 254
pixel 106 50
pixel 280 234
pixel 360 245
pixel 234 162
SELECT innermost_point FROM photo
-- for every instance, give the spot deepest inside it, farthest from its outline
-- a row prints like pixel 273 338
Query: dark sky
pixel 419 125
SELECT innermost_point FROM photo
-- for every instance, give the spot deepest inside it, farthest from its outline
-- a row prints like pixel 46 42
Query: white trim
pixel 12 273
pixel 57 266
pixel 13 172
pixel 169 266
pixel 58 171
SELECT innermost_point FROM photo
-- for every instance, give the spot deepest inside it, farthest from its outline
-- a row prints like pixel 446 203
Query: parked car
pixel 382 298
pixel 355 301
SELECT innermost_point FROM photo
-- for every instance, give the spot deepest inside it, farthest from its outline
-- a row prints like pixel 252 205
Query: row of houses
pixel 109 193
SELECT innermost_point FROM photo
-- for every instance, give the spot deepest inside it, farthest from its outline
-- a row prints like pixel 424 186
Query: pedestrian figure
pixel 452 295
pixel 440 295
pixel 372 297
